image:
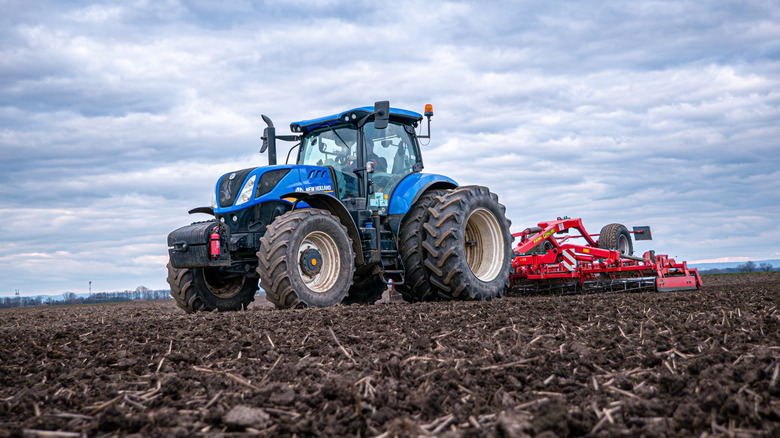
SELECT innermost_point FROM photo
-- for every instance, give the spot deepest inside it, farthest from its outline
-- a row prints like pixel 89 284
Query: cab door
pixel 392 153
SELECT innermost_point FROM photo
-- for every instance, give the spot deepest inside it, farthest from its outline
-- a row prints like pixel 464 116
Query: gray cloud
pixel 117 119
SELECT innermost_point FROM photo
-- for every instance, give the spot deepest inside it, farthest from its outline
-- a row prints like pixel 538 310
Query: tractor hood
pixel 247 187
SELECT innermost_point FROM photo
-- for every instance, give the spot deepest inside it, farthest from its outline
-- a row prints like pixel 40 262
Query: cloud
pixel 117 119
pixel 722 260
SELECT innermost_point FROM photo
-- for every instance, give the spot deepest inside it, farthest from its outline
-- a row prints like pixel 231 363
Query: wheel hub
pixel 622 245
pixel 483 244
pixel 318 261
pixel 311 262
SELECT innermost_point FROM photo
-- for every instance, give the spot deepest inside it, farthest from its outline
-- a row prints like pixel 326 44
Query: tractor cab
pixel 367 158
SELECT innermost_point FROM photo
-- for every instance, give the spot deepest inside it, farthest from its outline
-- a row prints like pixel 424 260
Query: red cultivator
pixel 545 261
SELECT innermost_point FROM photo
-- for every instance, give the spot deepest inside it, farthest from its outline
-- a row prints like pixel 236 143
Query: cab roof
pixel 352 116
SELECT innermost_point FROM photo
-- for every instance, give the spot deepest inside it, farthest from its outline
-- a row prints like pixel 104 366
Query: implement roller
pixel 546 262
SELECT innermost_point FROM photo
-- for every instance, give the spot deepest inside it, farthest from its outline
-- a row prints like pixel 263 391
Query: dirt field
pixel 674 364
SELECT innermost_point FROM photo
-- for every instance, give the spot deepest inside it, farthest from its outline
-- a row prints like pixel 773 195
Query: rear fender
pixel 410 188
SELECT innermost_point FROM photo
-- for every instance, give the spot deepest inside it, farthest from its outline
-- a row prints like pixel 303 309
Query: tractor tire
pixel 202 289
pixel 468 246
pixel 365 290
pixel 416 286
pixel 617 238
pixel 306 260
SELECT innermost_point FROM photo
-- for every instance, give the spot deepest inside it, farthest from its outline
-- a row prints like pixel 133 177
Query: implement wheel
pixel 306 259
pixel 207 289
pixel 616 237
pixel 543 247
pixel 416 286
pixel 467 244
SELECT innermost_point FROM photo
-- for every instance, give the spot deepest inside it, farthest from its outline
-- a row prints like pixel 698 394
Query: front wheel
pixel 468 247
pixel 207 289
pixel 306 260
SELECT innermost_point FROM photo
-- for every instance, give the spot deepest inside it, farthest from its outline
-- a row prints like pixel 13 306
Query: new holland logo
pixel 322 188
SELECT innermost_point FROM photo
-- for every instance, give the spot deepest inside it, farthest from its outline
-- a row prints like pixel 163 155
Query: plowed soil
pixel 655 364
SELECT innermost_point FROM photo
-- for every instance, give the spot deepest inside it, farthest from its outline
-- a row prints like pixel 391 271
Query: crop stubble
pixel 682 363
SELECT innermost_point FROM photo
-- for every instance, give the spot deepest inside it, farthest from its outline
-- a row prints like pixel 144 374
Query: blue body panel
pixel 406 190
pixel 301 178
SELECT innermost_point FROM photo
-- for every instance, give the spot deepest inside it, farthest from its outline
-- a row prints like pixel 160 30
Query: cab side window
pixel 392 153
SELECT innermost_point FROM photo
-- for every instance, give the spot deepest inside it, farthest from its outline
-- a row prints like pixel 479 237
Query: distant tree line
pixel 744 268
pixel 140 293
pixel 752 267
pixel 6 302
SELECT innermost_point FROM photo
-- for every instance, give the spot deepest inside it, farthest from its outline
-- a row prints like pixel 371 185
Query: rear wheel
pixel 617 238
pixel 306 259
pixel 207 289
pixel 467 245
pixel 416 286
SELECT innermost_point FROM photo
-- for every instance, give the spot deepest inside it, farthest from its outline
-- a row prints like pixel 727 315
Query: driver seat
pixel 400 161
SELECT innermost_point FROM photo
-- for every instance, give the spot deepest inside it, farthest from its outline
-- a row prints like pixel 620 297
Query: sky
pixel 116 118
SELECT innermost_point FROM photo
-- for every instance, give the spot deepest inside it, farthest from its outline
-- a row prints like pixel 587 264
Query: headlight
pixel 246 191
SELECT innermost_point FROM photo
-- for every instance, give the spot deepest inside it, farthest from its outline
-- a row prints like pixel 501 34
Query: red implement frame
pixel 588 268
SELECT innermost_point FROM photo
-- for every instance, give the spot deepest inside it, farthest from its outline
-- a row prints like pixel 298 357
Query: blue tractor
pixel 351 217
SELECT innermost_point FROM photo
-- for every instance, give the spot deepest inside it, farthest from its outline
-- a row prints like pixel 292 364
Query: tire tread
pixel 442 244
pixel 417 286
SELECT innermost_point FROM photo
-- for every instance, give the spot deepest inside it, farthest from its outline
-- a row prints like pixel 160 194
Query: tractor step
pixel 392 266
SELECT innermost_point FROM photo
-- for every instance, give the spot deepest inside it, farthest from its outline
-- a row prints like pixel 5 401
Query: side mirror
pixel 370 167
pixel 381 114
pixel 269 140
pixel 267 134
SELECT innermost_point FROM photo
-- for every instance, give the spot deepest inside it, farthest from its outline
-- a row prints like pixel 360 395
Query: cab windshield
pixel 334 147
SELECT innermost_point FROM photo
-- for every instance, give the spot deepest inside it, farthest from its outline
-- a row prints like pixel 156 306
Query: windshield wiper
pixel 342 140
